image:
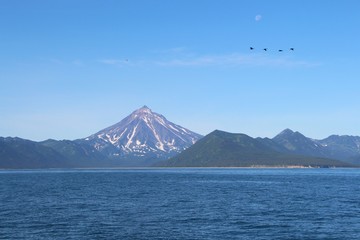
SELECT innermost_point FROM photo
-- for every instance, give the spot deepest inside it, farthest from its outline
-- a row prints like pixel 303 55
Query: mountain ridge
pixel 341 147
pixel 140 139
pixel 144 138
pixel 223 149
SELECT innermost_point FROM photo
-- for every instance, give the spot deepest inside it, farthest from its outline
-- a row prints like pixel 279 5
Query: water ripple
pixel 180 204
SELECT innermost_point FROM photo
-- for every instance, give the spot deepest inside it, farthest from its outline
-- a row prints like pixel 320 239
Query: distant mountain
pixel 222 149
pixel 18 153
pixel 143 136
pixel 21 153
pixel 77 155
pixel 344 148
pixel 295 142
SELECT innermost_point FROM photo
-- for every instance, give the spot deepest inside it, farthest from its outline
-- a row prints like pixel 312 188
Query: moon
pixel 258 17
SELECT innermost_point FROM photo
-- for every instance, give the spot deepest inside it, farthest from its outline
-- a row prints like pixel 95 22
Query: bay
pixel 180 204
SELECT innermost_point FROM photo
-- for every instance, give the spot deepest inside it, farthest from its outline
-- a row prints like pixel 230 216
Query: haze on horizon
pixel 71 68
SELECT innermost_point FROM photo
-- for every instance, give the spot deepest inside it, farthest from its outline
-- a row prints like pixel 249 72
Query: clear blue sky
pixel 72 67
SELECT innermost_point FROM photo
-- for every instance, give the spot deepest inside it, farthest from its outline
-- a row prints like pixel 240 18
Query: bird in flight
pixel 266 49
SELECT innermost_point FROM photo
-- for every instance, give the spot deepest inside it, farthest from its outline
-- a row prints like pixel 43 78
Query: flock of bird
pixel 265 49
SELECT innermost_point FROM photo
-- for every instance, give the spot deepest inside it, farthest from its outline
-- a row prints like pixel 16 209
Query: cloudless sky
pixel 70 68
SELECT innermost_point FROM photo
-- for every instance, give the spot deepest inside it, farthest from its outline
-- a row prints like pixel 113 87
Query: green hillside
pixel 222 149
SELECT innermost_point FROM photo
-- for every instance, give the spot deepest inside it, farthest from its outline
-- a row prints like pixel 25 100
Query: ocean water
pixel 180 204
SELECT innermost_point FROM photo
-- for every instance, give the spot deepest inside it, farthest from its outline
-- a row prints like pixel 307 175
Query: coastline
pixel 178 168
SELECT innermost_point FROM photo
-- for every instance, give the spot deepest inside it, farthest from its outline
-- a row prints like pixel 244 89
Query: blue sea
pixel 180 204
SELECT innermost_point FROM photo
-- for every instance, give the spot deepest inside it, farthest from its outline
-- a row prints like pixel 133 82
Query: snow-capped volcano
pixel 143 134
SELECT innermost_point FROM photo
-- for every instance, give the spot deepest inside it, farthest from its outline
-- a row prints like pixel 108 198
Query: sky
pixel 70 68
